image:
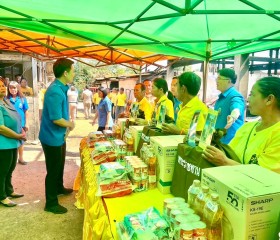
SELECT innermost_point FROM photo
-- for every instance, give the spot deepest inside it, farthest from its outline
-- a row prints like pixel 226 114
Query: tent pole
pixel 205 69
pixel 205 77
pixel 140 74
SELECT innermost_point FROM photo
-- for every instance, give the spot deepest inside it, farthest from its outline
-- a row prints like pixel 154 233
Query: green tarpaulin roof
pixel 209 29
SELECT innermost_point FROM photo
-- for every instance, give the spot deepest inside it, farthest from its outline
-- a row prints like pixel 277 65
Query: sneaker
pixel 8 203
pixel 65 191
pixel 57 209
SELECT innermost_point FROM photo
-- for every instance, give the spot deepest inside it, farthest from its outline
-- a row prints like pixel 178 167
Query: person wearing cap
pixel 230 104
pixel 103 113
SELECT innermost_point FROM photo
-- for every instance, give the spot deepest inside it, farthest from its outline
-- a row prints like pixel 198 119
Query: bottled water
pixel 143 151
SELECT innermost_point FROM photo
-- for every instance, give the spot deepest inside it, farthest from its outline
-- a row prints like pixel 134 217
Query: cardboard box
pixel 136 132
pixel 165 148
pixel 250 198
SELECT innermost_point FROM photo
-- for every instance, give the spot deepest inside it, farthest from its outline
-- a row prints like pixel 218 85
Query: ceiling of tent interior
pixel 119 31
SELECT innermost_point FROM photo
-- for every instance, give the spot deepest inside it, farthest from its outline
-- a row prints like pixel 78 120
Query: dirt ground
pixel 28 220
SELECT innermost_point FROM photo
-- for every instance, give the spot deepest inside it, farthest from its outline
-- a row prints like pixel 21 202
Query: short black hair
pixel 61 65
pixel 228 73
pixel 270 85
pixel 147 80
pixel 161 83
pixel 143 87
pixel 191 81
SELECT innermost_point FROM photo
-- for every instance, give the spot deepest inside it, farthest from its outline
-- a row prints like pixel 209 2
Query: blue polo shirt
pixel 228 101
pixel 55 107
pixel 10 118
pixel 21 106
pixel 104 106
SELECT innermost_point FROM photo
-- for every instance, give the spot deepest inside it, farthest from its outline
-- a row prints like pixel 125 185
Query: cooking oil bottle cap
pixel 214 196
pixel 205 189
pixel 196 183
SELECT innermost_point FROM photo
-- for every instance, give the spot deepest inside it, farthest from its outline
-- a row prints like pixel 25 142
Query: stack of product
pixel 138 172
pixel 113 180
pixel 103 152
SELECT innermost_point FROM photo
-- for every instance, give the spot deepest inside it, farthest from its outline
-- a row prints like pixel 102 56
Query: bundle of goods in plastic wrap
pixel 94 137
pixel 146 225
pixel 113 180
pixel 103 152
pixel 109 135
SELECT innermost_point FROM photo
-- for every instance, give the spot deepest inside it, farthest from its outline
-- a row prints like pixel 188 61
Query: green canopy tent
pixel 197 29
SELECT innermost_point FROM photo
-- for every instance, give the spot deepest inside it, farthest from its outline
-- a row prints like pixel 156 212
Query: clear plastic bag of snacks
pixel 150 222
pixel 103 152
pixel 94 137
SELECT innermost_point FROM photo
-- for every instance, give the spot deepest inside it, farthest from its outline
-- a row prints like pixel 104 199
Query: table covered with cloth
pixel 100 215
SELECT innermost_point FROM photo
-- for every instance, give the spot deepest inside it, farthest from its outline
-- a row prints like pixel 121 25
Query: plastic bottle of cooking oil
pixel 193 191
pixel 212 216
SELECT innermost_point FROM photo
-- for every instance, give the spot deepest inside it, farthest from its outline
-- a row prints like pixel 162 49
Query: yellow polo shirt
pixel 264 144
pixel 186 113
pixel 121 99
pixel 113 98
pixel 168 104
pixel 27 92
pixel 146 107
pixel 96 99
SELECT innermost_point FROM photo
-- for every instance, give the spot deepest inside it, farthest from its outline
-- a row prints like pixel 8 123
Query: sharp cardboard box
pixel 250 198
pixel 136 132
pixel 121 123
pixel 165 148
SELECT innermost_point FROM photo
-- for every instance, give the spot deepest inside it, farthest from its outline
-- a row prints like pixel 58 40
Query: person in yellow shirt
pixel 256 142
pixel 25 90
pixel 188 86
pixel 120 103
pixel 159 90
pixel 145 107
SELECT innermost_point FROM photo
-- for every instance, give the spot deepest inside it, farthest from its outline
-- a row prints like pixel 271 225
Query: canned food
pixel 136 171
pixel 186 232
pixel 200 231
pixel 181 219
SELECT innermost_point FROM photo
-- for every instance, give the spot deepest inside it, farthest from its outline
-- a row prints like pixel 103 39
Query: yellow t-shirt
pixel 186 113
pixel 146 107
pixel 168 104
pixel 265 145
pixel 27 92
pixel 96 99
pixel 121 99
pixel 113 98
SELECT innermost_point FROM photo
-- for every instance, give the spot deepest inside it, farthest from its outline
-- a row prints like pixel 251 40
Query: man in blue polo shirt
pixel 231 104
pixel 55 125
